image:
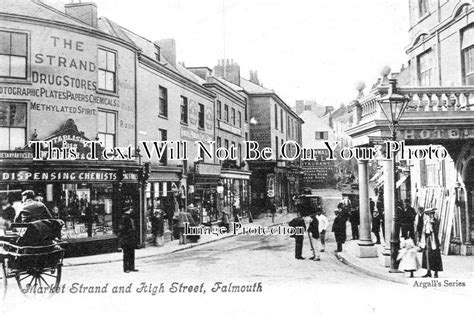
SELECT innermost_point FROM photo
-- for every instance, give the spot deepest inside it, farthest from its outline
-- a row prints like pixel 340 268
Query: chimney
pixel 254 77
pixel 168 50
pixel 85 12
pixel 228 70
pixel 202 72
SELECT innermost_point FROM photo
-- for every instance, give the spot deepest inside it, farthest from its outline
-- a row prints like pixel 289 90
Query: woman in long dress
pixel 430 242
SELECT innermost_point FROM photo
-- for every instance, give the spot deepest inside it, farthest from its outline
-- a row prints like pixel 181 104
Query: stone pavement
pixel 171 246
pixel 459 268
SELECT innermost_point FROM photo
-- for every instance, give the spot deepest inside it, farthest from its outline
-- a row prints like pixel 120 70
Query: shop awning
pixel 401 180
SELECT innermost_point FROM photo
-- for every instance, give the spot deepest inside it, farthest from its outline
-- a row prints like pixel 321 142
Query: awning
pixel 376 176
pixel 401 180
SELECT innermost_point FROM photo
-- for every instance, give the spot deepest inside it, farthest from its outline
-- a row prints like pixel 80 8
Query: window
pixel 239 118
pixel 276 116
pixel 107 77
pixel 245 114
pixel 184 110
pixel 106 129
pixel 226 143
pixel 226 112
pixel 12 125
pixel 201 116
pixel 468 55
pixel 246 136
pixel 288 127
pixel 13 54
pixel 422 7
pixel 233 116
pixel 425 68
pixel 219 110
pixel 276 147
pixel 240 153
pixel 321 135
pixel 281 119
pixel 163 136
pixel 163 111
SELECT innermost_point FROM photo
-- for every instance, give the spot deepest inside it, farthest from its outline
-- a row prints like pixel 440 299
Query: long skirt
pixel 432 258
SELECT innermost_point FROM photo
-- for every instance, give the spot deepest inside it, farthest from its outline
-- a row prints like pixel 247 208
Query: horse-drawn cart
pixel 33 256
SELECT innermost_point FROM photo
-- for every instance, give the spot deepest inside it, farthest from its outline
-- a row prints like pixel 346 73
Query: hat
pixel 30 194
pixel 337 210
pixel 431 210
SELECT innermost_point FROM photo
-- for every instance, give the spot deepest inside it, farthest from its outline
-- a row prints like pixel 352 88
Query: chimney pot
pixel 85 12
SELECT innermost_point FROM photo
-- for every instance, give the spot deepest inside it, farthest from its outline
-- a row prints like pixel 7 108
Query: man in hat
pixel 419 219
pixel 407 218
pixel 32 210
pixel 298 222
pixel 339 228
pixel 127 235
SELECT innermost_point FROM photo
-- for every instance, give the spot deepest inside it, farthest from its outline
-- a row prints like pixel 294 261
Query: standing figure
pixel 409 259
pixel 323 226
pixel 339 229
pixel 271 208
pixel 296 222
pixel 158 227
pixel 407 219
pixel 429 241
pixel 376 225
pixel 127 235
pixel 313 232
pixel 381 210
pixel 419 220
pixel 354 218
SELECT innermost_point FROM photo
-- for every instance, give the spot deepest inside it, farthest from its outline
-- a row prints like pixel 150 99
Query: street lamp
pixel 393 106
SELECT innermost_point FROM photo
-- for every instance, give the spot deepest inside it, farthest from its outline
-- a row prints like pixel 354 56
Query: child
pixel 408 259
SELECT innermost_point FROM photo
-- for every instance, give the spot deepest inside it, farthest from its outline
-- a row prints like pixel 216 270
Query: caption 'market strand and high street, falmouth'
pixel 141 167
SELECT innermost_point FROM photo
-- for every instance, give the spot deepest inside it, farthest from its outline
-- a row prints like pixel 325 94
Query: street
pixel 244 271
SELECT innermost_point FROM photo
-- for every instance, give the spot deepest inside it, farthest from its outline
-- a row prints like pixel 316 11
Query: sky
pixel 302 49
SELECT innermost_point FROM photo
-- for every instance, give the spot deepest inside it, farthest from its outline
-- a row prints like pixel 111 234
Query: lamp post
pixel 393 106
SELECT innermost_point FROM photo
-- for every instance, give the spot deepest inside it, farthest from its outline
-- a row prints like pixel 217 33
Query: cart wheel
pixel 4 284
pixel 43 282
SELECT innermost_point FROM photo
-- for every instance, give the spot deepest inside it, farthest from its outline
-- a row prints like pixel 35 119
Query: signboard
pixel 207 169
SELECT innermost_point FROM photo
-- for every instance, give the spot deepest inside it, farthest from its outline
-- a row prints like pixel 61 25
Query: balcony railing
pixel 422 99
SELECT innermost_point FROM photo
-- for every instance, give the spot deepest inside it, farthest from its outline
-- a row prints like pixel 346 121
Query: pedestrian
pixel 371 205
pixel 354 218
pixel 381 210
pixel 32 210
pixel 158 227
pixel 298 223
pixel 430 243
pixel 183 220
pixel 376 226
pixel 323 226
pixel 271 208
pixel 313 232
pixel 419 220
pixel 339 229
pixel 407 220
pixel 408 258
pixel 171 211
pixel 127 235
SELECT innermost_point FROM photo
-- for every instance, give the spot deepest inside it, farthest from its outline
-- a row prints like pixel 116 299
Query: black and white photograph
pixel 236 157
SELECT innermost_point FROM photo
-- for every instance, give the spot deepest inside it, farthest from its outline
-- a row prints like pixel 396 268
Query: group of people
pixel 30 209
pixel 316 227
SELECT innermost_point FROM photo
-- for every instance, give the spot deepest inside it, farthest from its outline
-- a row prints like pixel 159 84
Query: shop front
pixel 204 191
pixel 236 191
pixel 88 197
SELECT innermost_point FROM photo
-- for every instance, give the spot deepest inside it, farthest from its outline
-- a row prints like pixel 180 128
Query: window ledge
pixel 15 81
pixel 424 17
pixel 163 116
pixel 184 123
pixel 109 93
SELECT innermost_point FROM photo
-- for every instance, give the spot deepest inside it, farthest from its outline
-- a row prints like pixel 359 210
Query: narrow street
pixel 255 262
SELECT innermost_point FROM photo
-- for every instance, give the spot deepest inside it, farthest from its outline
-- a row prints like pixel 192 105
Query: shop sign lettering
pixel 9 176
pixel 454 133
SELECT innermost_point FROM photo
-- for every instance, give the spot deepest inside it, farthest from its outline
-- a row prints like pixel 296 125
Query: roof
pixel 38 9
pixel 109 27
pixel 253 88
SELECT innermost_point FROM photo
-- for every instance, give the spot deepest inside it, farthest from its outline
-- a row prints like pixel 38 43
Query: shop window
pixel 184 110
pixel 12 125
pixel 422 8
pixel 233 116
pixel 226 112
pixel 163 110
pixel 107 128
pixel 219 110
pixel 426 68
pixel 107 71
pixel 468 55
pixel 201 116
pixel 13 55
pixel 163 137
